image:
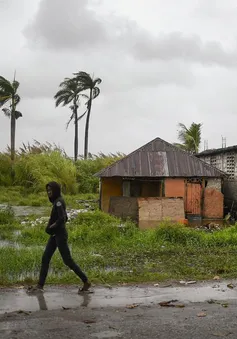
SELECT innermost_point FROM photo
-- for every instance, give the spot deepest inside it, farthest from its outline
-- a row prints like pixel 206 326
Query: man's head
pixel 53 190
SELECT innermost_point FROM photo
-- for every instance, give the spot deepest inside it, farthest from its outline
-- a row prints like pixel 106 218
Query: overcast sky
pixel 161 62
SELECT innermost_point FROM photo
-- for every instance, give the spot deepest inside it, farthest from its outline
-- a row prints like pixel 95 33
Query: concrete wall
pixel 153 210
pixel 223 162
pixel 124 207
pixel 230 195
pixel 214 183
pixel 110 187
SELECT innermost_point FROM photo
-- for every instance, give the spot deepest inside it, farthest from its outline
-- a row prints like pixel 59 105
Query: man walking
pixel 56 228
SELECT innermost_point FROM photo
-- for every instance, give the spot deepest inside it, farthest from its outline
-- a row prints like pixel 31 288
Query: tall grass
pixel 35 170
pixel 110 250
pixel 5 170
pixel 87 168
pixel 37 164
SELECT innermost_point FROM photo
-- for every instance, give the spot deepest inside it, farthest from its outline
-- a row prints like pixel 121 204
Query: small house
pixel 159 181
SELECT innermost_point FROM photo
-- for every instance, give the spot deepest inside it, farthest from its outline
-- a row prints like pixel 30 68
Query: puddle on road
pixel 57 298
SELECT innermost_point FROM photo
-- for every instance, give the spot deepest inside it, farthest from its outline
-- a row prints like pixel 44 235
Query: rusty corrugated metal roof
pixel 158 158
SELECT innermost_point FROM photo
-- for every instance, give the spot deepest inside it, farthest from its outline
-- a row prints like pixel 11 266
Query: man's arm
pixel 61 215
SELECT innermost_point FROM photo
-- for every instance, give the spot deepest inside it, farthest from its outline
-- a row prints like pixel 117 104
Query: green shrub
pixel 35 170
pixel 6 216
pixel 5 170
pixel 176 233
pixel 87 168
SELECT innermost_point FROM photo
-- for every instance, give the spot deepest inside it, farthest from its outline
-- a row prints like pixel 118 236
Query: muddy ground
pixel 197 311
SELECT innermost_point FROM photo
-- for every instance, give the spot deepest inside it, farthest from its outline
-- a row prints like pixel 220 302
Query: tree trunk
pixel 87 126
pixel 13 133
pixel 13 136
pixel 76 133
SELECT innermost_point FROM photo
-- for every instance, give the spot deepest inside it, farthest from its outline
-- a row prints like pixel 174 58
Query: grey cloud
pixel 178 46
pixel 60 24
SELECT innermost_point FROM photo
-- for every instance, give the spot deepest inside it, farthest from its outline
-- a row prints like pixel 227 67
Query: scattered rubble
pixel 72 214
pixel 171 303
pixel 210 227
pixel 231 286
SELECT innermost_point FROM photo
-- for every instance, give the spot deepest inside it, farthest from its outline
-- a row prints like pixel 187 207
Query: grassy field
pixel 19 196
pixel 114 252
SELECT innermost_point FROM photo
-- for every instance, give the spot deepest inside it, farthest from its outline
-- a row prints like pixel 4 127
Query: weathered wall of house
pixel 174 188
pixel 110 187
pixel 214 183
pixel 153 210
pixel 213 204
pixel 124 207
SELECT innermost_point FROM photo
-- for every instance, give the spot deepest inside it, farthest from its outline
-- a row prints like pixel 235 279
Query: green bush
pixel 6 216
pixel 5 170
pixel 99 227
pixel 36 165
pixel 176 233
pixel 35 170
pixel 87 168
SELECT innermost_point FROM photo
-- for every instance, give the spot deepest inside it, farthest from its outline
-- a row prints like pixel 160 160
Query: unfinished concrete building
pixel 225 159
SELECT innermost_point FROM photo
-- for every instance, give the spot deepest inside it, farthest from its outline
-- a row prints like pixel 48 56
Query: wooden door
pixel 193 198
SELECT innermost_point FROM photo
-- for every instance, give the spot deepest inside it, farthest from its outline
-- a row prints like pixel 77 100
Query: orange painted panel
pixel 110 187
pixel 174 188
pixel 193 200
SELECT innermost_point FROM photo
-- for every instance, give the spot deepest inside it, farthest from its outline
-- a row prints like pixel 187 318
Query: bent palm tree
pixel 70 93
pixel 88 83
pixel 190 137
pixel 8 94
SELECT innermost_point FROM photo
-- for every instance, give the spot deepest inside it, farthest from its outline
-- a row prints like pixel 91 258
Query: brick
pixel 213 204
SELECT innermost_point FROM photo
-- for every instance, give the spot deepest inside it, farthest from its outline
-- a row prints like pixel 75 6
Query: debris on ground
pixel 212 301
pixel 132 306
pixel 89 321
pixel 171 303
pixel 23 312
pixel 216 277
pixel 183 282
pixel 201 314
pixel 231 286
pixel 210 227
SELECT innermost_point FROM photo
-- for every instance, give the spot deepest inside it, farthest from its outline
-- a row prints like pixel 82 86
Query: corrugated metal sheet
pixel 216 151
pixel 160 159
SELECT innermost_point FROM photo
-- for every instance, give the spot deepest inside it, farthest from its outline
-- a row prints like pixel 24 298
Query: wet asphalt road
pixel 126 312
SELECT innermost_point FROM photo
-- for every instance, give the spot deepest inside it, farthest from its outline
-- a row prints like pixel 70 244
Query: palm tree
pixel 8 95
pixel 88 83
pixel 190 137
pixel 70 93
